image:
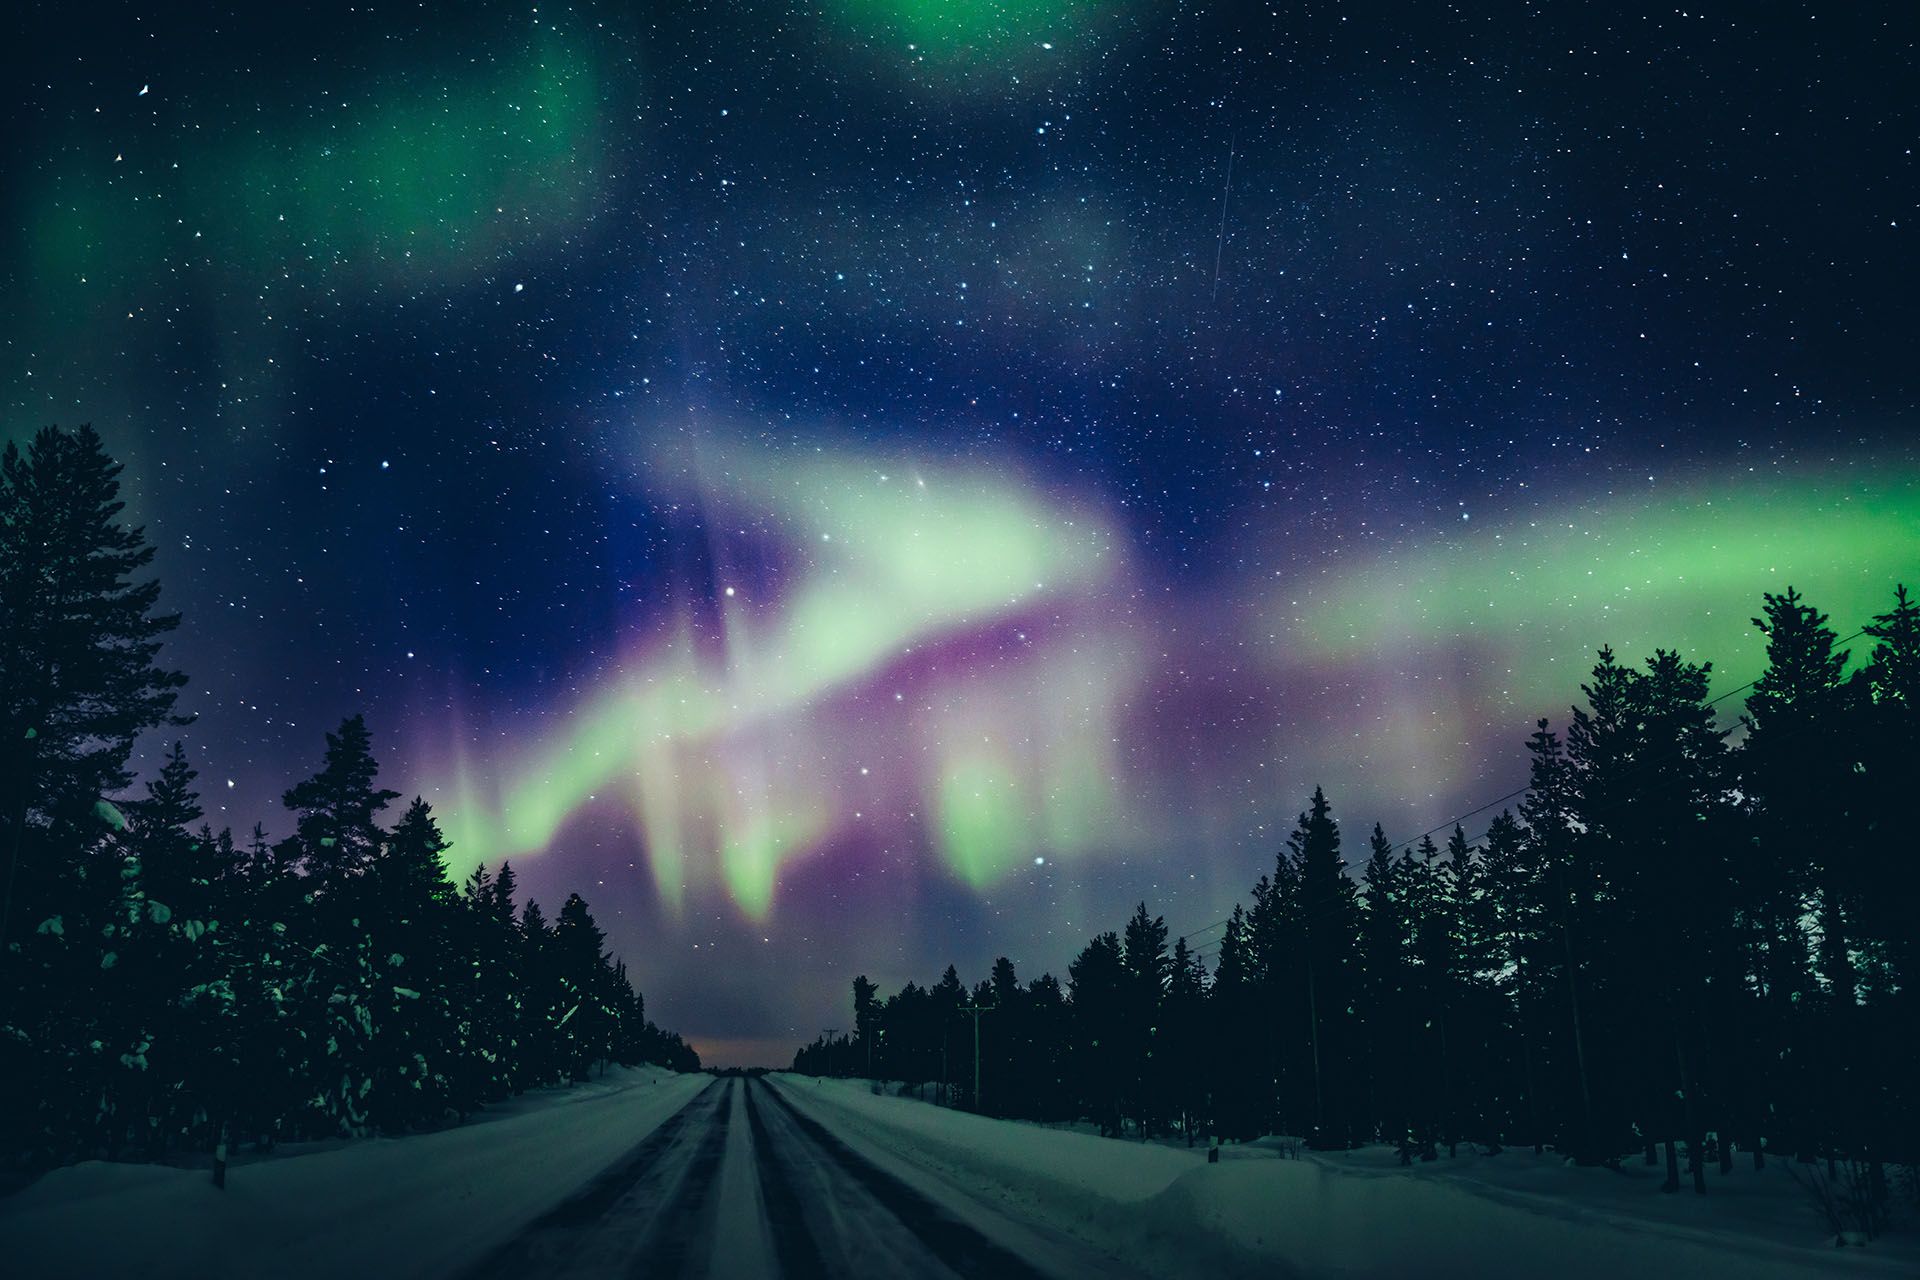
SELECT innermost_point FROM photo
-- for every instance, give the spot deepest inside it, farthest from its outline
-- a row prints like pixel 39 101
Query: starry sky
pixel 855 486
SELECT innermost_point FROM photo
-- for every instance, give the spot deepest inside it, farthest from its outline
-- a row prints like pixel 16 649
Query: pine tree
pixel 585 1025
pixel 864 1017
pixel 1516 916
pixel 1328 920
pixel 336 842
pixel 1430 913
pixel 1797 765
pixel 1553 845
pixel 409 910
pixel 1048 1020
pixel 176 863
pixel 336 835
pixel 167 950
pixel 257 1012
pixel 1144 953
pixel 1239 1071
pixel 542 1058
pixel 1384 985
pixel 499 1029
pixel 1182 1079
pixel 1010 1053
pixel 79 640
pixel 1098 984
pixel 1890 903
pixel 1284 1048
pixel 1801 772
pixel 1679 878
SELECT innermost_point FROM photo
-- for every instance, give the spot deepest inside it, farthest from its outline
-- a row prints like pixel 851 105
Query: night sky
pixel 854 487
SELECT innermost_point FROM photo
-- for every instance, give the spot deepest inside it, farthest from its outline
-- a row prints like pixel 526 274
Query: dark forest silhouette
pixel 1674 942
pixel 162 986
pixel 1675 939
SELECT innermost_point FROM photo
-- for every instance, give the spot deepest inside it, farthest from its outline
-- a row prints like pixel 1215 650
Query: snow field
pixel 424 1205
pixel 1168 1212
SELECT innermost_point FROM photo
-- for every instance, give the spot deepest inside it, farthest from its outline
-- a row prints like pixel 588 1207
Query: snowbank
pixel 1257 1213
pixel 416 1206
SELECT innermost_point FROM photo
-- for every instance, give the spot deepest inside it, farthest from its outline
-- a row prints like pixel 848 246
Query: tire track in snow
pixel 793 1241
pixel 606 1214
pixel 956 1244
pixel 688 1216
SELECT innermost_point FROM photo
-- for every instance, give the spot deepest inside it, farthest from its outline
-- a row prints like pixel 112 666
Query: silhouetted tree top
pixel 336 832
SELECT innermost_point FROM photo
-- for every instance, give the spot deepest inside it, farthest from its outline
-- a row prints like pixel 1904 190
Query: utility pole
pixel 976 1013
pixel 829 1034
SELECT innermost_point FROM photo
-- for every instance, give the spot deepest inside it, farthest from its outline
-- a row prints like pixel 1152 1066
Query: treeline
pixel 162 986
pixel 1683 936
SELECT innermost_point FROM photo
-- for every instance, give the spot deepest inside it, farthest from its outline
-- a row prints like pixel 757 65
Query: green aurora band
pixel 732 766
pixel 433 182
pixel 1682 569
pixel 393 186
pixel 721 760
pixel 982 47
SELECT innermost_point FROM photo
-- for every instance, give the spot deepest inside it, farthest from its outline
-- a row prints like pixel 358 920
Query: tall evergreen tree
pixel 1804 780
pixel 1799 765
pixel 1385 987
pixel 1328 919
pixel 409 911
pixel 1144 952
pixel 79 682
pixel 1890 899
pixel 176 862
pixel 586 1022
pixel 1517 917
pixel 864 1018
pixel 336 832
pixel 79 646
pixel 1553 847
pixel 1099 986
pixel 1181 1044
pixel 1238 1066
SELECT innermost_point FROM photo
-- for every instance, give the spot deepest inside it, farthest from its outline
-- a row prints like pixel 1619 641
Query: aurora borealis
pixel 860 486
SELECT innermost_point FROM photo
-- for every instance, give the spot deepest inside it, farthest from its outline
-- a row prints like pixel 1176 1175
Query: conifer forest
pixel 1682 937
pixel 169 985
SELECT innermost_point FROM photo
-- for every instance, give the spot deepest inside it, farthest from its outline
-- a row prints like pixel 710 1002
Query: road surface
pixel 739 1183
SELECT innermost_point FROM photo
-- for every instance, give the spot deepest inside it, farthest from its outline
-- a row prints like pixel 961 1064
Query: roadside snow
pixel 1167 1211
pixel 419 1206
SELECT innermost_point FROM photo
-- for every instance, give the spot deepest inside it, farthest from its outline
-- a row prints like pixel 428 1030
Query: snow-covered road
pixel 649 1173
pixel 741 1183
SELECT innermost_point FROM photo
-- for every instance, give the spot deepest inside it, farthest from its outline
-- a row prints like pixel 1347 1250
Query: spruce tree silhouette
pixel 335 832
pixel 79 644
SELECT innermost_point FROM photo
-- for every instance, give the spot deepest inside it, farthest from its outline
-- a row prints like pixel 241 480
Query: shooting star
pixel 1220 240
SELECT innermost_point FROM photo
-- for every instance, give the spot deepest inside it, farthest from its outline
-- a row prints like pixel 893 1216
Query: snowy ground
pixel 647 1173
pixel 743 1185
pixel 417 1206
pixel 1258 1212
